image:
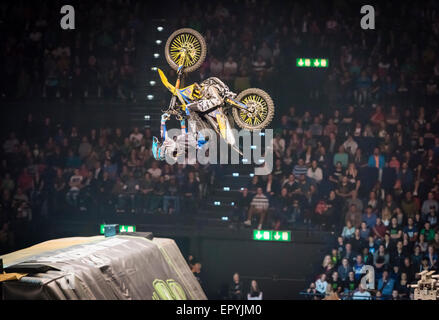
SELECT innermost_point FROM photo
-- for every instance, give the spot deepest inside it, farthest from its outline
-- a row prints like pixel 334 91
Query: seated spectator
pixel 344 269
pixel 410 230
pixel 283 209
pixel 255 293
pixel 258 205
pixel 341 157
pixel 236 288
pixel 427 232
pixel 242 205
pixel 335 282
pixel 369 217
pixel 354 216
pixel 350 145
pixel 386 284
pixel 379 230
pixel 348 230
pixel 75 185
pixel 432 258
pixel 408 205
pixel 367 256
pixel 312 291
pixel 371 245
pixel 376 160
pixel 358 267
pixel 354 200
pixel 361 294
pixel 345 189
pixel 428 204
pixel 172 195
pixel 315 173
pixel 395 230
pixel 321 284
pixel 300 168
pixel 380 260
pixel 398 255
pixel 408 269
pixel 364 231
pixel 336 176
pixel 432 217
pixel 350 284
pixel 402 287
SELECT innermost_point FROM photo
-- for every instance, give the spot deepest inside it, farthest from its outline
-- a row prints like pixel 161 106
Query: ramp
pixel 123 267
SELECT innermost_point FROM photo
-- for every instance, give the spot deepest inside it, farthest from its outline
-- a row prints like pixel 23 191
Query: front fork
pixel 177 86
pixel 237 104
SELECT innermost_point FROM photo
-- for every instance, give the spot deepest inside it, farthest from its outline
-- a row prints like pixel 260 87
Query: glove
pixel 165 117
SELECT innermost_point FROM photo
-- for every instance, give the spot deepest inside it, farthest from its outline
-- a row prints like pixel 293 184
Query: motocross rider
pixel 212 93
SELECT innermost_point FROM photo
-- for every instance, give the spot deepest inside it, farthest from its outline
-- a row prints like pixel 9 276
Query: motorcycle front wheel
pixel 186 41
pixel 262 107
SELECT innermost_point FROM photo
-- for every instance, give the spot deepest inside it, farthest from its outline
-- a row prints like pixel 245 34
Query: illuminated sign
pixel 272 235
pixel 312 63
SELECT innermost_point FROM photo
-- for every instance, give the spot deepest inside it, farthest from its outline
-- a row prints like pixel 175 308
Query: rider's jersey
pixel 221 87
pixel 213 92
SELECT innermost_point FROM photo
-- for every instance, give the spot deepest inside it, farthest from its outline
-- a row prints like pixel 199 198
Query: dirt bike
pixel 252 109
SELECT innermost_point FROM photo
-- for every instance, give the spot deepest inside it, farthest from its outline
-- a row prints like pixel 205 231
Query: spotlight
pixel 150 97
pixel 154 69
pixel 156 55
pixel 158 42
pixel 152 83
pixel 159 29
pixel 147 117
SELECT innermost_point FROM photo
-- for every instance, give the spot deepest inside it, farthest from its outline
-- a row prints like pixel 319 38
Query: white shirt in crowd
pixel 259 297
pixel 316 174
pixel 321 286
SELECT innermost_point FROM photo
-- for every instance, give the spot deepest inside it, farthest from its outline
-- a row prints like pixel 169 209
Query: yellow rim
pixel 185 43
pixel 259 106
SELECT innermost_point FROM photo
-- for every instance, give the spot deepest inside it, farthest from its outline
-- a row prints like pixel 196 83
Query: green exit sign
pixel 127 228
pixel 122 228
pixel 312 63
pixel 272 235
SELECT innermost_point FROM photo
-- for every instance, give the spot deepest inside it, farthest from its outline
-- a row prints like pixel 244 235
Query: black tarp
pixel 120 268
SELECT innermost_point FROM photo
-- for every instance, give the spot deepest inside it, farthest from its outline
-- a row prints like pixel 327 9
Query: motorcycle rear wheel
pixel 188 40
pixel 263 106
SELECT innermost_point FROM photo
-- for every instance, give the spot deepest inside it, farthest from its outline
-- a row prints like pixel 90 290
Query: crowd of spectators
pixel 95 60
pixel 363 165
pixel 49 171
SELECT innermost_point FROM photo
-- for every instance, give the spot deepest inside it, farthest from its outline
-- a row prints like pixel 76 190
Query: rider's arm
pixel 163 126
pixel 183 126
